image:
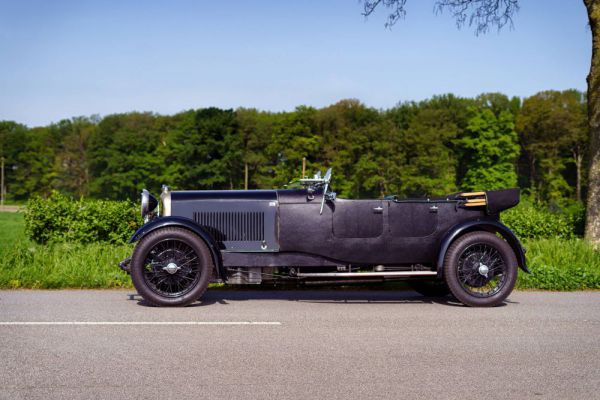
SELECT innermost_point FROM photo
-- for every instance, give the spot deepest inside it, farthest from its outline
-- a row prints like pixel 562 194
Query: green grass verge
pixel 63 265
pixel 24 264
pixel 557 264
pixel 12 228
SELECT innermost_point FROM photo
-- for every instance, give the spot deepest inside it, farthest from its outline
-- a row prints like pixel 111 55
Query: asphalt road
pixel 313 345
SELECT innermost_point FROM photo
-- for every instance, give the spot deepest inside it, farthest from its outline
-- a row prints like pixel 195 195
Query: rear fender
pixel 482 225
pixel 188 224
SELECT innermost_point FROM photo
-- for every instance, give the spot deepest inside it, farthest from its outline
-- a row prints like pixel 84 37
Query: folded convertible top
pixel 493 200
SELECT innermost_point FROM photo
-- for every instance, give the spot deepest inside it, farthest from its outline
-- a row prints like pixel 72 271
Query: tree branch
pixel 483 14
pixel 396 7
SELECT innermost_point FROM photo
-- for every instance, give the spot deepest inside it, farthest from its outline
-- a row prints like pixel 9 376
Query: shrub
pixel 529 221
pixel 62 219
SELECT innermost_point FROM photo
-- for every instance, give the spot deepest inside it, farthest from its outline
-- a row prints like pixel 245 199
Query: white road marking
pixel 58 323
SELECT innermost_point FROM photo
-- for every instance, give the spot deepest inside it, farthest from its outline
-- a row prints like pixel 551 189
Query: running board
pixel 364 274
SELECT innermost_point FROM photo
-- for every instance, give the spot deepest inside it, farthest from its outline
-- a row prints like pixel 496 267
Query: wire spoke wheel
pixel 481 270
pixel 171 268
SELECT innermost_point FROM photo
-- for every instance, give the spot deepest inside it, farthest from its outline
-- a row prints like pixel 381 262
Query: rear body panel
pixel 370 231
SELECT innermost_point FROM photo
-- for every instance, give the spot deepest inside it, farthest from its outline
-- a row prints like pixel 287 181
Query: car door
pixel 412 218
pixel 358 218
pixel 411 231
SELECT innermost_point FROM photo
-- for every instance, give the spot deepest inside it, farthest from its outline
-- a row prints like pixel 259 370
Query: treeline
pixel 437 146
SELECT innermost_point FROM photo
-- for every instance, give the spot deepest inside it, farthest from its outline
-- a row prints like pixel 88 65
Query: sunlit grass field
pixel 24 264
pixel 11 229
pixel 557 264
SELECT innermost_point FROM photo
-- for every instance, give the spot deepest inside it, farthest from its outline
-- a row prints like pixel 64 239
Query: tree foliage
pixel 554 136
pixel 432 147
pixel 490 149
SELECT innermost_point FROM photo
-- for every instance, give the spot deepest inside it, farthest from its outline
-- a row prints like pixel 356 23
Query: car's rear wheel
pixel 430 288
pixel 171 267
pixel 480 269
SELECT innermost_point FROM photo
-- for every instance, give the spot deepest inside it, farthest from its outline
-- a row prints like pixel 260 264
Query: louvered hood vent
pixel 238 226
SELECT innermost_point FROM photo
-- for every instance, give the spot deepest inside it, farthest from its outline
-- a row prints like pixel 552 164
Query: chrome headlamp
pixel 149 204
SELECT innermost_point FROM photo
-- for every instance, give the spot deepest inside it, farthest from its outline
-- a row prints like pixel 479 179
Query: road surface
pixel 298 345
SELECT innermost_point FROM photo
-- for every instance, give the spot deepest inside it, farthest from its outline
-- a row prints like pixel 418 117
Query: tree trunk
pixel 532 174
pixel 578 163
pixel 592 226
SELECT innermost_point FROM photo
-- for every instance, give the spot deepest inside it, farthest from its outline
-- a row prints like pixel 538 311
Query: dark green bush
pixel 529 221
pixel 62 219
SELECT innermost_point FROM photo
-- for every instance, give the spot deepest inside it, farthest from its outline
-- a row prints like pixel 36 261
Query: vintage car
pixel 454 244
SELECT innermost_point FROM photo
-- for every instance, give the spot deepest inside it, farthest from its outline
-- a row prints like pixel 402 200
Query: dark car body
pixel 261 234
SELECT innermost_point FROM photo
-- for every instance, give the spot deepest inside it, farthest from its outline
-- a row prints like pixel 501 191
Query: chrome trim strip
pixel 365 274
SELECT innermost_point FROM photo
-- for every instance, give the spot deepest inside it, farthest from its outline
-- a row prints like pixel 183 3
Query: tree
pixel 491 149
pixel 255 129
pixel 428 131
pixel 429 167
pixel 122 156
pixel 485 14
pixel 347 137
pixel 294 137
pixel 592 226
pixel 553 132
pixel 12 143
pixel 205 152
pixel 35 172
pixel 71 162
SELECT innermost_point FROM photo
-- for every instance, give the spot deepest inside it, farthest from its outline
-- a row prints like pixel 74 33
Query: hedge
pixel 536 222
pixel 60 218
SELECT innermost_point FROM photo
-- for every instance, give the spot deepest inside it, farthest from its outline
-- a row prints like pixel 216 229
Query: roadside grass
pixel 561 264
pixel 24 264
pixel 63 265
pixel 12 229
pixel 557 264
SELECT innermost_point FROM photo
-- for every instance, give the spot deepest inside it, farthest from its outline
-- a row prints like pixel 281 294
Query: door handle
pixel 433 209
pixel 378 210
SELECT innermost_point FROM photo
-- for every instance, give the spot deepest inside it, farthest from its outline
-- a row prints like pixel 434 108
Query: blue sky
pixel 60 59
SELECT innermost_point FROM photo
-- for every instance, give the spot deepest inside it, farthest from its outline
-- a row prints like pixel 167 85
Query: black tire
pixel 480 269
pixel 430 288
pixel 171 267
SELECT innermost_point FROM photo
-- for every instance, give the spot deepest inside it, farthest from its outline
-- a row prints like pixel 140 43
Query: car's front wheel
pixel 171 267
pixel 480 269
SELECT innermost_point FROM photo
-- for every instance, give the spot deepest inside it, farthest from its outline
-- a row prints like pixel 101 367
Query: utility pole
pixel 303 167
pixel 245 176
pixel 2 186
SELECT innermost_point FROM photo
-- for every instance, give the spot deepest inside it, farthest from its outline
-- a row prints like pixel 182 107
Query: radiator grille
pixel 243 226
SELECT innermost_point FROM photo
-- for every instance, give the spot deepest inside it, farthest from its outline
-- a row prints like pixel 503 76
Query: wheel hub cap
pixel 171 268
pixel 483 270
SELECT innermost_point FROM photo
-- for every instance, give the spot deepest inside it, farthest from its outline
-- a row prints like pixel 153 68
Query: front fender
pixel 483 225
pixel 185 223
